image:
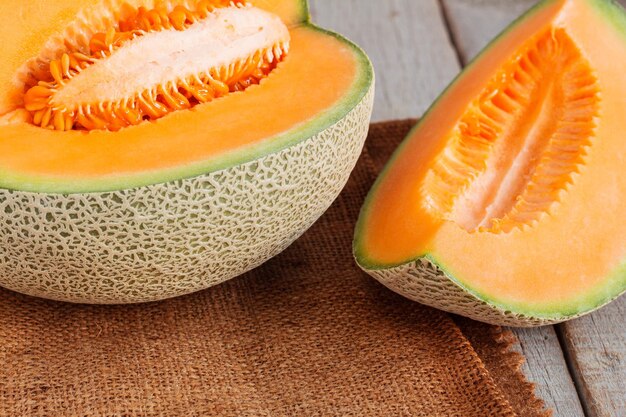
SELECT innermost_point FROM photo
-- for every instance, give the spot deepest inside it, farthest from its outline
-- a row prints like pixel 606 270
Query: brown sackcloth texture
pixel 306 334
pixel 503 364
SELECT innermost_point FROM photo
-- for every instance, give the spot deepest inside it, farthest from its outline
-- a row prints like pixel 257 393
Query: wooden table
pixel 417 47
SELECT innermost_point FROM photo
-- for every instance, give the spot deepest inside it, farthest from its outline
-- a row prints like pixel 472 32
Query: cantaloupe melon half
pixel 506 202
pixel 151 148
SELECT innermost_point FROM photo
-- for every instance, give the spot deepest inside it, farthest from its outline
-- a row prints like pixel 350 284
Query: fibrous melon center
pixel 154 62
pixel 517 144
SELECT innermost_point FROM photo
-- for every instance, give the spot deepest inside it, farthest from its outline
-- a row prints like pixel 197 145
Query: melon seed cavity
pixel 517 145
pixel 154 62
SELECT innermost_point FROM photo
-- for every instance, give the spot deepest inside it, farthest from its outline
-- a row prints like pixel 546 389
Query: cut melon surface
pixel 154 148
pixel 299 108
pixel 502 203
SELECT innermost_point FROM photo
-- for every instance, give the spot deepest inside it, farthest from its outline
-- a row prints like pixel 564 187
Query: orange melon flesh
pixel 46 19
pixel 208 128
pixel 321 78
pixel 569 259
pixel 291 12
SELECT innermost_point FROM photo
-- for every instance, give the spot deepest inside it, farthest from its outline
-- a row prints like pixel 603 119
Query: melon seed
pixel 155 62
pixel 518 143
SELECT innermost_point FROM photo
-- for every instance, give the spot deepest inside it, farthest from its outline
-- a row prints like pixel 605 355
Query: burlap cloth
pixel 307 334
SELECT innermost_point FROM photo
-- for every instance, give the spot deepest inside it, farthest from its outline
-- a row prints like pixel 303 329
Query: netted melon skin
pixel 424 282
pixel 170 239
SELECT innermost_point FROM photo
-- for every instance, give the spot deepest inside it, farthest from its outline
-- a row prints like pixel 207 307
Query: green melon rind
pixel 424 272
pixel 612 287
pixel 174 238
pixel 62 185
pixel 612 11
pixel 305 13
pixel 425 280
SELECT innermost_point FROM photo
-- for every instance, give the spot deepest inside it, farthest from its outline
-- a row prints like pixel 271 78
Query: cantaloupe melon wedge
pixel 506 202
pixel 151 148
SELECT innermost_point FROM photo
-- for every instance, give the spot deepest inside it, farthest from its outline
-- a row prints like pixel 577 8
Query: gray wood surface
pixel 417 47
pixel 546 367
pixel 408 44
pixel 473 23
pixel 596 348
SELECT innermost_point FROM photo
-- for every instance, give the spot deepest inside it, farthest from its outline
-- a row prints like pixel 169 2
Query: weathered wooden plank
pixel 596 347
pixel 473 23
pixel 547 368
pixel 408 44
